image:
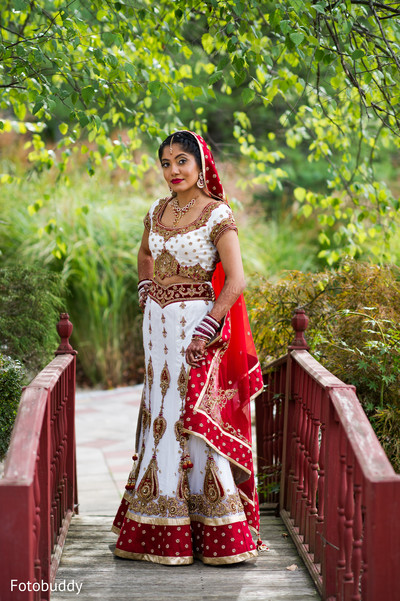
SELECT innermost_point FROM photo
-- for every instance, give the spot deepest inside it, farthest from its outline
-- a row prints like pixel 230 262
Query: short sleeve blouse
pixel 189 250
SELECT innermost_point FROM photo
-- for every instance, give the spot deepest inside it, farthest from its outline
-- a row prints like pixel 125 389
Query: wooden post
pixel 64 329
pixel 299 324
pixel 382 535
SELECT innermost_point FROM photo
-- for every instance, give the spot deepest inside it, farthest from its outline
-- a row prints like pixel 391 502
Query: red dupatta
pixel 219 392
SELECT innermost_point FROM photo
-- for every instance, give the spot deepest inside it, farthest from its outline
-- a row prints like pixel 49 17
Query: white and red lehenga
pixel 191 492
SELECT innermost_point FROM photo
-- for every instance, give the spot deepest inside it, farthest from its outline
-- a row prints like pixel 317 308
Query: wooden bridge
pixel 333 521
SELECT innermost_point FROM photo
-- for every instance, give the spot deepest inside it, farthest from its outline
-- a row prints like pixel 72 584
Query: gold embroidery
pixel 146 418
pixel 147 222
pixel 165 349
pixel 159 427
pixel 183 490
pixel 183 335
pixel 182 382
pixel 168 561
pixel 165 380
pixel 164 332
pixel 150 374
pixel 163 318
pixel 182 306
pixel 229 428
pixel 149 487
pixel 220 228
pixel 165 295
pixel 168 232
pixel 199 504
pixel 166 265
pixel 180 436
pixel 183 322
pixel 213 489
pixel 217 397
pixel 164 506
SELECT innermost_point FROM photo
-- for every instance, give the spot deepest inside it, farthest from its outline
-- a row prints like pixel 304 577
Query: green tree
pixel 330 71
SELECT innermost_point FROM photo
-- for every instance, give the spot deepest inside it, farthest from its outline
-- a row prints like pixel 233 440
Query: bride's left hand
pixel 195 352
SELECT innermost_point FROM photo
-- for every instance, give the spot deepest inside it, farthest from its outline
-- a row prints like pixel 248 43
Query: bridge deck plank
pixel 88 560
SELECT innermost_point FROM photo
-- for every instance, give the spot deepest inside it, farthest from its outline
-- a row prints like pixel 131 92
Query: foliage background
pixel 11 379
pixel 353 331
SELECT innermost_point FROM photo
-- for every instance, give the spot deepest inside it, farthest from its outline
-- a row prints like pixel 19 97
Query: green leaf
pixel 37 106
pixel 225 60
pixel 285 26
pixel 358 54
pixel 63 127
pixel 214 77
pixel 240 77
pixel 300 194
pixel 320 7
pixel 248 95
pixel 155 88
pixel 297 37
pixel 208 42
pixel 20 4
pixel 110 39
pixel 87 94
pixel 130 70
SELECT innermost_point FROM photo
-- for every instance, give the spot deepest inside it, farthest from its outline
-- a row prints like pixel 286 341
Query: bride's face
pixel 180 169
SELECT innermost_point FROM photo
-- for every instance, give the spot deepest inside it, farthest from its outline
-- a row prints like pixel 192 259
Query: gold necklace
pixel 179 211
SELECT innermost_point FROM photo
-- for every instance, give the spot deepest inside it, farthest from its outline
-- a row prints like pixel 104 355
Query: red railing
pixel 38 492
pixel 339 495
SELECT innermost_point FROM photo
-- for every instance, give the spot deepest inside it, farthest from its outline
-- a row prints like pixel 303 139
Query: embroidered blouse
pixel 189 251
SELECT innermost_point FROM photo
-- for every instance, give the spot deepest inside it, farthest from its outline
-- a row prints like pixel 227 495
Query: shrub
pixel 11 378
pixel 354 332
pixel 30 303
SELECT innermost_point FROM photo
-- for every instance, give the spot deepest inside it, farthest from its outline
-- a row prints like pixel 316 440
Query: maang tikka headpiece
pixel 170 145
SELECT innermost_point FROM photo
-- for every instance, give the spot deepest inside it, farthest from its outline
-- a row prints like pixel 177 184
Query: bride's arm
pixel 145 268
pixel 145 261
pixel 229 252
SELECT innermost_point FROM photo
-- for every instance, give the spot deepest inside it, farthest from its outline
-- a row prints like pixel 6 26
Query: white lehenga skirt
pixel 181 500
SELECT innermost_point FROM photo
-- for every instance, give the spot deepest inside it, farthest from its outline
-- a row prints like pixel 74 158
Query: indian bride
pixel 191 491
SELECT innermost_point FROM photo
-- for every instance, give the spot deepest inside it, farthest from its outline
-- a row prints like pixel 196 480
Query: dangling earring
pixel 200 181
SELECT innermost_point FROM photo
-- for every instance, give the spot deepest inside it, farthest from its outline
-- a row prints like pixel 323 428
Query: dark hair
pixel 187 141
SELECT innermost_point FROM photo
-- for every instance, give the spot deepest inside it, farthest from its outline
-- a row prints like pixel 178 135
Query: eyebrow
pixel 177 156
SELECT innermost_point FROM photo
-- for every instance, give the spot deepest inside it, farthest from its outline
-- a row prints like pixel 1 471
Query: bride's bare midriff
pixel 175 280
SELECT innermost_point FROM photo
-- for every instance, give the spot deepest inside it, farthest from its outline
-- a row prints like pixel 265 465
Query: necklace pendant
pixel 179 211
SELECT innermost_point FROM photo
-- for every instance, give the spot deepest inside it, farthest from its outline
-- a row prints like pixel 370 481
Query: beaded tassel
pixel 260 545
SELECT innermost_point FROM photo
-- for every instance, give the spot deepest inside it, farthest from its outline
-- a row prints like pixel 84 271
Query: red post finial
pixel 299 324
pixel 64 329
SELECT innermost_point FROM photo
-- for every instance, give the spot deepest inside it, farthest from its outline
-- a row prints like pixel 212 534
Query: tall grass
pixel 89 230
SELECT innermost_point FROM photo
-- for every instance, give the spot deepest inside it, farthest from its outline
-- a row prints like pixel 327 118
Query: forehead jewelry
pixel 170 145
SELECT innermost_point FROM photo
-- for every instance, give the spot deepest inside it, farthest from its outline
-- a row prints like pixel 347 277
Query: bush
pixel 11 378
pixel 354 332
pixel 30 303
